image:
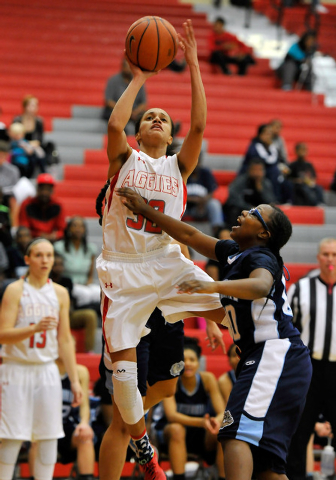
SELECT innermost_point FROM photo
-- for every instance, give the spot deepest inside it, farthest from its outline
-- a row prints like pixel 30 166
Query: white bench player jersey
pixel 34 305
pixel 159 182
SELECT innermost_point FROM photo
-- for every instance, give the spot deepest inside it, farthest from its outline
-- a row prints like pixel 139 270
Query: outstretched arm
pixel 182 232
pixel 257 285
pixel 118 149
pixel 191 147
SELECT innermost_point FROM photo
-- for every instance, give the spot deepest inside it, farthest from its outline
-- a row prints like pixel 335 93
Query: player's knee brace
pixel 126 393
pixel 9 452
pixel 46 456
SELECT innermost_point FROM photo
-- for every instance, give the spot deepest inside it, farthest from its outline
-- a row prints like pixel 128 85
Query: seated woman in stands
pixel 297 65
pixel 79 260
pixel 189 421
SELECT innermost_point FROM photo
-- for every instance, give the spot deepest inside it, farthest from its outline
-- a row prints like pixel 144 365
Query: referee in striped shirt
pixel 313 301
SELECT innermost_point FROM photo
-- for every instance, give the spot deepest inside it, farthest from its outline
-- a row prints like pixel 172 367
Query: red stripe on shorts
pixel 106 303
pixel 112 186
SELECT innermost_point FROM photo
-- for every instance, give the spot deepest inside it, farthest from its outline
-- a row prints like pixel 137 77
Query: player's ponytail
pixel 99 201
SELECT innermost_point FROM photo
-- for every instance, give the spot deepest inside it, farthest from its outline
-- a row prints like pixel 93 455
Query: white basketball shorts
pixel 31 401
pixel 134 285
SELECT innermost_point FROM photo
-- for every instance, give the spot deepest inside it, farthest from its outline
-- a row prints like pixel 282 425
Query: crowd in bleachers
pixel 266 175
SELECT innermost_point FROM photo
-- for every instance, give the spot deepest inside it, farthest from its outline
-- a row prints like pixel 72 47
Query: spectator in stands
pixel 322 431
pixel 5 223
pixel 248 190
pixel 200 202
pixel 78 442
pixel 34 132
pixel 3 130
pixel 189 421
pixel 42 214
pixel 262 147
pixel 21 152
pixel 228 379
pixel 9 176
pixel 116 85
pixel 279 141
pixel 79 437
pixel 79 262
pixel 312 300
pixel 303 175
pixel 79 317
pixel 33 124
pixel 226 49
pixel 16 253
pixel 297 64
pixel 178 65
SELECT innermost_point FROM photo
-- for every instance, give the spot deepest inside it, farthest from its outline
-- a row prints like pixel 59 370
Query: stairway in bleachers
pixel 64 53
pixel 294 20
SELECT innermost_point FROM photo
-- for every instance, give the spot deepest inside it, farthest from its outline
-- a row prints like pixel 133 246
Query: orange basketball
pixel 151 43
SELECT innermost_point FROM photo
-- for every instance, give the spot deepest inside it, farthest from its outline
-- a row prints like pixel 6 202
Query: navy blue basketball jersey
pixel 255 321
pixel 194 404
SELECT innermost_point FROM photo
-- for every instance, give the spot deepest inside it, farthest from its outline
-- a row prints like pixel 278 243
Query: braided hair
pixel 99 201
pixel 281 231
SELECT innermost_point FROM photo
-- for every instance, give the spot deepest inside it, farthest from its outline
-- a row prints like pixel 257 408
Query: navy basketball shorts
pixel 160 354
pixel 267 400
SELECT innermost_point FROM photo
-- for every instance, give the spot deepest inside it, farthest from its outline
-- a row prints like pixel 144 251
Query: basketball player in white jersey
pixel 34 331
pixel 139 267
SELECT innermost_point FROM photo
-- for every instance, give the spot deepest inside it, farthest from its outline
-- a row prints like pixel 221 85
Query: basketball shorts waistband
pixel 134 257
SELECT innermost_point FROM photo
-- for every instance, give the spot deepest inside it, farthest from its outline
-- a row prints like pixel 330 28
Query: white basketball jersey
pixel 34 305
pixel 159 182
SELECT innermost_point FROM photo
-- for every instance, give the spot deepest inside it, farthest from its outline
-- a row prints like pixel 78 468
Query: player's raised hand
pixel 188 43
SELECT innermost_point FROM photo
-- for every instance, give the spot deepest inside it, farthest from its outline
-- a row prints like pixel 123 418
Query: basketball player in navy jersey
pixel 274 371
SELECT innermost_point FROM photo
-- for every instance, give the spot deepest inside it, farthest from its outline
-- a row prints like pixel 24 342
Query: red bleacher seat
pixel 191 322
pixel 298 270
pixel 91 361
pixel 217 364
pixel 79 336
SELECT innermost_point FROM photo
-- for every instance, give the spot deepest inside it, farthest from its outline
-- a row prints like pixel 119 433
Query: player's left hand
pixel 196 286
pixel 77 393
pixel 214 335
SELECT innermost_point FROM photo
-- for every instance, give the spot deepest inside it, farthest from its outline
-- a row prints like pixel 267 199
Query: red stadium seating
pixel 217 364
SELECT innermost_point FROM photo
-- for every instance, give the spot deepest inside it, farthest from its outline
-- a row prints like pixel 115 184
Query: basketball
pixel 151 43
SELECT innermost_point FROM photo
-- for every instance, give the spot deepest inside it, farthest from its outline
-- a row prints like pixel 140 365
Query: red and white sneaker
pixel 152 469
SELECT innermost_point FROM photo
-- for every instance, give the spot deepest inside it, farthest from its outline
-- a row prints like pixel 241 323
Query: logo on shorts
pixel 121 371
pixel 108 285
pixel 227 419
pixel 250 362
pixel 177 368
